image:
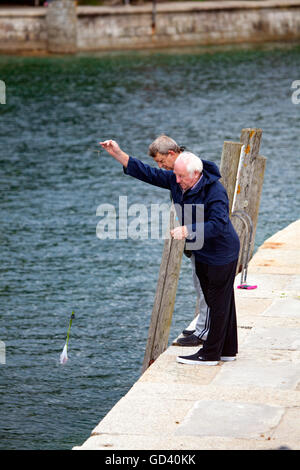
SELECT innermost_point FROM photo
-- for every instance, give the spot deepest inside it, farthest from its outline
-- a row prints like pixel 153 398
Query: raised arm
pixel 112 147
pixel 136 168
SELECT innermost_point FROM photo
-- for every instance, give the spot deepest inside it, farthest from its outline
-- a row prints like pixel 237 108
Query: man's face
pixel 183 178
pixel 166 161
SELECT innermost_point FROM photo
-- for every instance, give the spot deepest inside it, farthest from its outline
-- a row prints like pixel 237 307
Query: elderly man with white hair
pixel 195 182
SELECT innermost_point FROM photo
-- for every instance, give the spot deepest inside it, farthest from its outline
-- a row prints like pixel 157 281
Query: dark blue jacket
pixel 221 243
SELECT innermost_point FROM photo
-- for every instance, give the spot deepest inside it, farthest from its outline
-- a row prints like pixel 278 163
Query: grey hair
pixel 163 144
pixel 191 161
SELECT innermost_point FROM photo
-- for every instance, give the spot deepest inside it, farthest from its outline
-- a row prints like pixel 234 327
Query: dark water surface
pixel 52 181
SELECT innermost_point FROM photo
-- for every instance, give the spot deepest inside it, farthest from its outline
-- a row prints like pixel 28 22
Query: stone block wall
pixel 177 24
pixel 23 29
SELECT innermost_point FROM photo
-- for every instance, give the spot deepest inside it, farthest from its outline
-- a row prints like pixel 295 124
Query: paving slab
pixel 230 419
pixel 155 391
pixel 248 322
pixel 289 425
pixel 264 373
pixel 285 307
pixel 250 305
pixel 273 338
pixel 167 370
pixel 295 285
pixel 132 416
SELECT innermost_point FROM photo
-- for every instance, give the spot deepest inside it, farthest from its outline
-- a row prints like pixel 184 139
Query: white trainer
pixel 228 358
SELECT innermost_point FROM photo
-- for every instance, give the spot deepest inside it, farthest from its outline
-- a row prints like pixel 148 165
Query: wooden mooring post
pixel 242 170
pixel 243 180
pixel 164 302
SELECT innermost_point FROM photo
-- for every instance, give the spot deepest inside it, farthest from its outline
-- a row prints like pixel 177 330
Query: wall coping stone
pixel 160 8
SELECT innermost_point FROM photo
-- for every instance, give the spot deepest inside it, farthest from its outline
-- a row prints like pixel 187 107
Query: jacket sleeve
pixel 216 215
pixel 148 174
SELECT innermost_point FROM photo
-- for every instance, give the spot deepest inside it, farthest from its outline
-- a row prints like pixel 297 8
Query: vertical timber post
pixel 253 177
pixel 61 21
pixel 255 195
pixel 229 166
pixel 162 312
pixel 250 139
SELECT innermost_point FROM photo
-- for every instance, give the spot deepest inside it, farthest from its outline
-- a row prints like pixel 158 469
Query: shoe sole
pixel 188 332
pixel 189 344
pixel 202 363
pixel 228 358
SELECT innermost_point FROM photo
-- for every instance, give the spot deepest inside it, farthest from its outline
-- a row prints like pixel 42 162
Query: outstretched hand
pixel 112 147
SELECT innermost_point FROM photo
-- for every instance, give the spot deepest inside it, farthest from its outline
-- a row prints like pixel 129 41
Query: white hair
pixel 191 161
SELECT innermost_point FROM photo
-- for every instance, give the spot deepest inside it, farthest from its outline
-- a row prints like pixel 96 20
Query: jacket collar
pixel 194 189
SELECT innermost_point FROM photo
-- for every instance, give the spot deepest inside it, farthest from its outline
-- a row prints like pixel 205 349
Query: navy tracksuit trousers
pixel 217 283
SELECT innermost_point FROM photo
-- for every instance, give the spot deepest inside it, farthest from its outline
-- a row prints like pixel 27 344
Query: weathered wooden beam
pixel 250 138
pixel 162 312
pixel 229 166
pixel 255 195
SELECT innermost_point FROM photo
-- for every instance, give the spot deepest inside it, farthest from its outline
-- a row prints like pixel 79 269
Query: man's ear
pixel 173 155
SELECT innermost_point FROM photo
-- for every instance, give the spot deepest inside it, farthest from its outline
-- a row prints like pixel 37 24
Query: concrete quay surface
pixel 251 403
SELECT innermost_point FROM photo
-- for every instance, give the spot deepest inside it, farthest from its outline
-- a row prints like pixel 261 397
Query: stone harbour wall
pixel 23 29
pixel 131 27
pixel 190 24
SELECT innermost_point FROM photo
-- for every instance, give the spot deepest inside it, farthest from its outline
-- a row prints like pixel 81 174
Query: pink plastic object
pixel 246 286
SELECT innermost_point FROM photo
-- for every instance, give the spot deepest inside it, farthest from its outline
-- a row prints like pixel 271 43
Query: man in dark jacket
pixel 196 182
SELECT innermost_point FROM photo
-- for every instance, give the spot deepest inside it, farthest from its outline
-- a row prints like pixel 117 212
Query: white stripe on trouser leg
pixel 204 332
pixel 202 325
